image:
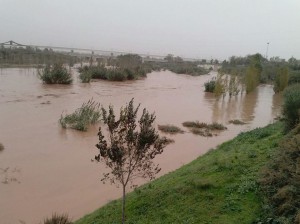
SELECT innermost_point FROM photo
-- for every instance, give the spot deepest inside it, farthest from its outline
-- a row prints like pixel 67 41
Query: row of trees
pixel 123 67
pixel 33 56
pixel 179 66
pixel 255 69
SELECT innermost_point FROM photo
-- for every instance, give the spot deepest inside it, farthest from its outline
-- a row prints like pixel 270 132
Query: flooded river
pixel 46 169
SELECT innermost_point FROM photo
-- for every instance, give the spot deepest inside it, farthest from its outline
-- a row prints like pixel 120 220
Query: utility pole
pixel 267 50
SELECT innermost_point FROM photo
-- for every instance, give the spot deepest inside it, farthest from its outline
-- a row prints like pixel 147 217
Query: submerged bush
pixel 203 129
pixel 194 124
pixel 237 122
pixel 1 147
pixel 216 126
pixel 85 76
pixel 210 86
pixel 112 73
pixel 291 106
pixel 171 129
pixel 58 219
pixel 55 74
pixel 202 132
pixel 89 113
pixel 116 75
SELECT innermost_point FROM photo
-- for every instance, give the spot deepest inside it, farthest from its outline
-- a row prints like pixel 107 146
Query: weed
pixel 231 204
pixel 58 219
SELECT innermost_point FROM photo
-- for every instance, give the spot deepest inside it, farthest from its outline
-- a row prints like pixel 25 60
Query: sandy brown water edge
pixel 50 168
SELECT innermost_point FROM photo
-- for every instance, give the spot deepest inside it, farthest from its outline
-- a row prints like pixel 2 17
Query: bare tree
pixel 130 148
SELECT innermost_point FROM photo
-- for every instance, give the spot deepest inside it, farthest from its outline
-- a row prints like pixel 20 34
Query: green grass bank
pixel 218 187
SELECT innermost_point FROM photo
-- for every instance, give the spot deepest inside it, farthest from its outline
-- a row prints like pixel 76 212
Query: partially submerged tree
pixel 130 148
pixel 281 79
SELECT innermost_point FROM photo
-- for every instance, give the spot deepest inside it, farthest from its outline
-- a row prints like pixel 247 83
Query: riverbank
pixel 70 151
pixel 218 187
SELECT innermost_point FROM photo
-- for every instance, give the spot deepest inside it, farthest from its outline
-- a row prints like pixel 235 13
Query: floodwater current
pixel 45 168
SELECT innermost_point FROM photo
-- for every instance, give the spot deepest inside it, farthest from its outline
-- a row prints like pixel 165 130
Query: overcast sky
pixel 188 28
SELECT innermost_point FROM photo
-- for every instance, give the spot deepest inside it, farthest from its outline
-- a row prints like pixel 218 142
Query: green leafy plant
pixel 291 106
pixel 281 79
pixel 210 86
pixel 85 76
pixel 280 181
pixel 55 74
pixel 89 113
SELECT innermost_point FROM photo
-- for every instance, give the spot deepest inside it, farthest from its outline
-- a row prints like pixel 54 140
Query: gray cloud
pixel 189 28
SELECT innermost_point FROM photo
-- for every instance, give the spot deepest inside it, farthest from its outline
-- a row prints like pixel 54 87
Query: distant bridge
pixel 86 52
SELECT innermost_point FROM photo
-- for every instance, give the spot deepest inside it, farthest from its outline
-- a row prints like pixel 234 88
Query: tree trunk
pixel 123 205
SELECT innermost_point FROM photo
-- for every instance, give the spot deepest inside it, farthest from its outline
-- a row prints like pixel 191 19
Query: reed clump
pixel 89 113
pixel 58 219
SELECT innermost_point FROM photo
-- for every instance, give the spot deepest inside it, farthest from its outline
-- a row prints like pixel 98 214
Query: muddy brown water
pixel 46 169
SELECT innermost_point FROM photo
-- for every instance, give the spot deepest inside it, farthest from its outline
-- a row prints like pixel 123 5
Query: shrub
pixel 280 181
pixel 216 126
pixel 130 74
pixel 294 77
pixel 98 72
pixel 210 86
pixel 89 113
pixel 85 76
pixel 116 75
pixel 58 219
pixel 112 74
pixel 1 147
pixel 291 106
pixel 55 74
pixel 170 129
pixel 281 79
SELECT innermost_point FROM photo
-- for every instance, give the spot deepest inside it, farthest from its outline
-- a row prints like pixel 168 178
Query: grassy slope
pixel 219 187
